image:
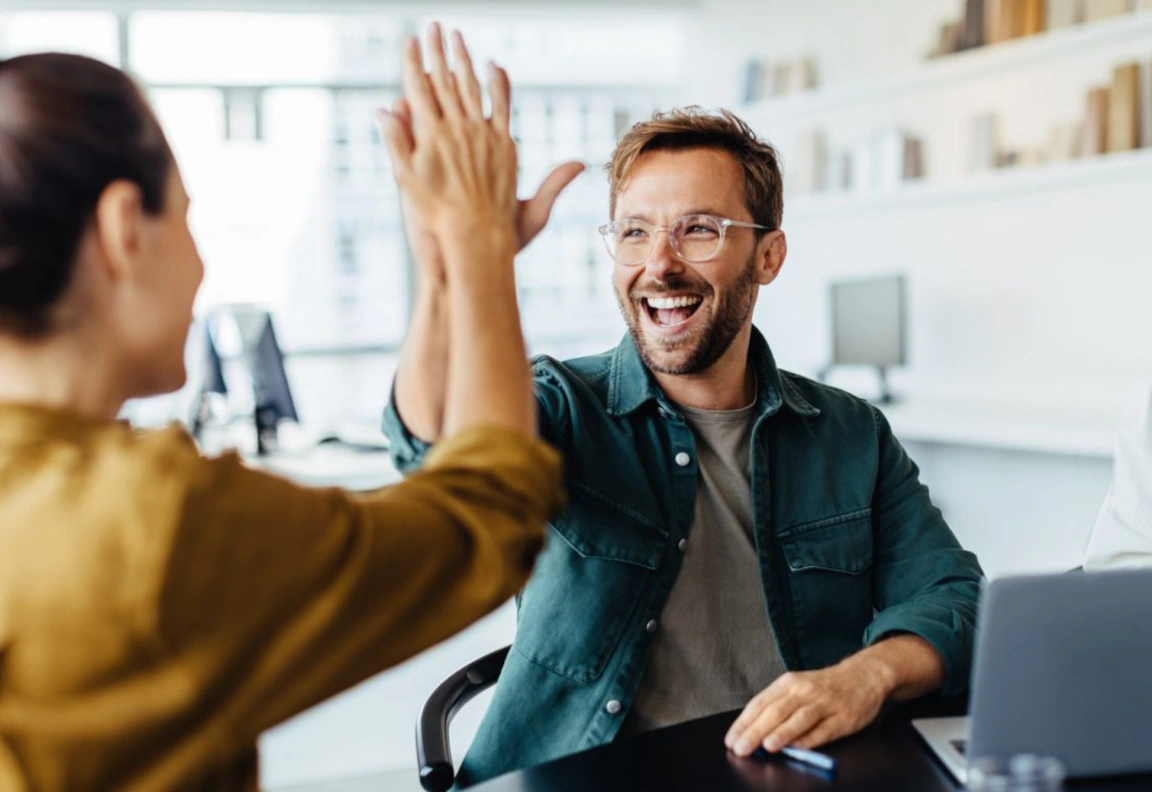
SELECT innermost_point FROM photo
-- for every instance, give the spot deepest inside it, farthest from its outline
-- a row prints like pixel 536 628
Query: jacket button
pixel 613 707
pixel 651 626
pixel 682 459
pixel 682 545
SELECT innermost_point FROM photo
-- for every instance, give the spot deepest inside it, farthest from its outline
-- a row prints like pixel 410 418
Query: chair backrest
pixel 433 752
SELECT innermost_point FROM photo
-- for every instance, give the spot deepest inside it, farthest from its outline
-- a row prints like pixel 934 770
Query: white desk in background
pixel 1031 428
pixel 331 465
pixel 1019 484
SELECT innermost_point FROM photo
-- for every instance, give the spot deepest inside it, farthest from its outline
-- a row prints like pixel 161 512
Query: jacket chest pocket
pixel 829 566
pixel 587 585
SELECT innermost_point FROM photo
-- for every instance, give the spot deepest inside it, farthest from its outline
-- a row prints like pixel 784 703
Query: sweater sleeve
pixel 277 596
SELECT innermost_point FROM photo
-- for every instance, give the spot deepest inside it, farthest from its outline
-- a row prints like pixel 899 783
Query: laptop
pixel 1063 668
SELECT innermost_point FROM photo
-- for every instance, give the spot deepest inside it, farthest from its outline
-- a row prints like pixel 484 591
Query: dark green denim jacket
pixel 851 549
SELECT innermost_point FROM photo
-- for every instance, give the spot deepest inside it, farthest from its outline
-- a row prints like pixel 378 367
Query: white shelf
pixel 1071 174
pixel 1006 427
pixel 960 67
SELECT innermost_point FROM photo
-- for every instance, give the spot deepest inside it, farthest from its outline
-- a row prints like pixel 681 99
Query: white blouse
pixel 1122 537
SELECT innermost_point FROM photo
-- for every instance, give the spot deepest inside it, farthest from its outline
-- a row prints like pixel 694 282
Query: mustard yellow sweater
pixel 159 610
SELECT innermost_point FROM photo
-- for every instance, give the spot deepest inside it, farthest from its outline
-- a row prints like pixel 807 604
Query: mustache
pixel 673 284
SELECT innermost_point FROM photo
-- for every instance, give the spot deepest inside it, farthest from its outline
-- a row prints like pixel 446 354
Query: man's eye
pixel 700 230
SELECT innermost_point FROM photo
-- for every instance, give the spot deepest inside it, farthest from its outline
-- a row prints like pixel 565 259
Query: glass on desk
pixel 1020 773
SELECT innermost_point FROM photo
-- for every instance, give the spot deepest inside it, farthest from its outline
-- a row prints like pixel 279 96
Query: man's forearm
pixel 490 381
pixel 906 666
pixel 422 374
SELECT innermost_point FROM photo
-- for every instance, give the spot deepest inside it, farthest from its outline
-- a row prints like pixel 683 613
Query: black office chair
pixel 433 753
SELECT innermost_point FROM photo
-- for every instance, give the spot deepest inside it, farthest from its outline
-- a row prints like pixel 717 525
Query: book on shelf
pixel 1065 142
pixel 1031 17
pixel 913 159
pixel 1102 9
pixel 805 74
pixel 1012 18
pixel 951 39
pixel 897 157
pixel 992 21
pixel 1064 13
pixel 809 170
pixel 984 142
pixel 753 80
pixel 974 24
pixel 1146 103
pixel 781 78
pixel 1094 140
pixel 1124 108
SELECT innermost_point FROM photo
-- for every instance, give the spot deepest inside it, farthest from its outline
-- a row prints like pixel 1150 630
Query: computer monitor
pixel 209 376
pixel 869 325
pixel 241 353
pixel 274 401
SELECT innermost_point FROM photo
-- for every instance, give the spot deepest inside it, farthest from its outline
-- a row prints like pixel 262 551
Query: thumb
pixel 535 211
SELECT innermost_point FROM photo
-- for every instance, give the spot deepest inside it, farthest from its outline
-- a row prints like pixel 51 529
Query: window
pixel 95 34
pixel 271 117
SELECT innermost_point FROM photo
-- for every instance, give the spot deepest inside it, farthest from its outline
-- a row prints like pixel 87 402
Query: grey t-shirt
pixel 713 649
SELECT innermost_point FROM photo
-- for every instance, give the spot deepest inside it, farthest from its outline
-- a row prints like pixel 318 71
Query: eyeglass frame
pixel 724 222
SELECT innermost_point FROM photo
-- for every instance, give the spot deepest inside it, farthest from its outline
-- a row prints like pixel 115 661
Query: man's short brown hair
pixel 695 128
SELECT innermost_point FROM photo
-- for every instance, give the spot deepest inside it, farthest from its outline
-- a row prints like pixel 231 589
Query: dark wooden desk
pixel 887 757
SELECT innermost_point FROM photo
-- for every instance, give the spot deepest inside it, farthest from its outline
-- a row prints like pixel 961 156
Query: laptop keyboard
pixel 961 746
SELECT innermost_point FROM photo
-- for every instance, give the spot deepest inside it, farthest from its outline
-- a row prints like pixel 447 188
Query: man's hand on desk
pixel 807 709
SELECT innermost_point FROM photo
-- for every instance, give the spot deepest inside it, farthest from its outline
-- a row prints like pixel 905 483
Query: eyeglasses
pixel 694 238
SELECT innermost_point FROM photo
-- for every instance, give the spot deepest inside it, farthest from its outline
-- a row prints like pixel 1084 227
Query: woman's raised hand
pixel 456 165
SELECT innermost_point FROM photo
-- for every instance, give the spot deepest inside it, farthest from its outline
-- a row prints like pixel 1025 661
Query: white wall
pixel 853 39
pixel 1028 291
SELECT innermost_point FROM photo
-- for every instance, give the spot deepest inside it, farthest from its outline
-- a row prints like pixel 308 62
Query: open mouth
pixel 672 312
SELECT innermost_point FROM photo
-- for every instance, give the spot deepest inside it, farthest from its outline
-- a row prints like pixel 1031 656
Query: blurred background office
pixel 967 193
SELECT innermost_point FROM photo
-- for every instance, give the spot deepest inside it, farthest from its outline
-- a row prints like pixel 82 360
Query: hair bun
pixel 71 125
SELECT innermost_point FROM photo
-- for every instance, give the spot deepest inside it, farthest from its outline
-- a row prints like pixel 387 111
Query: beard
pixel 703 346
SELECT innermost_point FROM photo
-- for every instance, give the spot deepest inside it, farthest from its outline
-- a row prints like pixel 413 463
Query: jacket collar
pixel 631 385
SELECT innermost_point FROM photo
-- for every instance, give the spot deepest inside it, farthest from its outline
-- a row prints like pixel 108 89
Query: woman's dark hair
pixel 69 127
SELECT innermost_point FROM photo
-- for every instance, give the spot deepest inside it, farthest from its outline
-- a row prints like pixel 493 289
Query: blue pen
pixel 814 758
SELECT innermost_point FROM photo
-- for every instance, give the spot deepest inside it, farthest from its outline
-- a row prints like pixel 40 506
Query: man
pixel 1122 537
pixel 736 536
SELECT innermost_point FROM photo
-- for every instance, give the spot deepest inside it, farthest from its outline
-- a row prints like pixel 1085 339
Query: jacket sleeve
pixel 408 451
pixel 926 584
pixel 278 596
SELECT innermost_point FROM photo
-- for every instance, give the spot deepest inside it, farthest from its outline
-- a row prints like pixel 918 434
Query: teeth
pixel 672 302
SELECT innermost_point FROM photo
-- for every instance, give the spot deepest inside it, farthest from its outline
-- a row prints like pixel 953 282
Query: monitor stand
pixel 266 419
pixel 886 396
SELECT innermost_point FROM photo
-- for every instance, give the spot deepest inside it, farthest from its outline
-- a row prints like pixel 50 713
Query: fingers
pixel 425 108
pixel 500 89
pixel 401 116
pixel 750 714
pixel 794 727
pixel 402 111
pixel 471 98
pixel 766 721
pixel 824 732
pixel 443 80
pixel 534 212
pixel 398 139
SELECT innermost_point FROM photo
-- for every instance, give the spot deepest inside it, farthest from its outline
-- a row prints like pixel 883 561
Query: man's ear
pixel 119 227
pixel 770 254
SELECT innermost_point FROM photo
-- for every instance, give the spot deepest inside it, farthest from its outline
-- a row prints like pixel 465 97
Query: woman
pixel 159 610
